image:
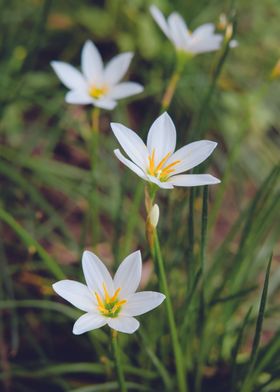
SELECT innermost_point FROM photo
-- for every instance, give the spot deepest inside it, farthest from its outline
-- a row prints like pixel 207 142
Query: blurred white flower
pixel 203 39
pixel 106 300
pixel 157 162
pixel 96 84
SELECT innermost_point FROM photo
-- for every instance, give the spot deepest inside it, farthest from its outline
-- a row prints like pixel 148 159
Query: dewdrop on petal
pixel 154 215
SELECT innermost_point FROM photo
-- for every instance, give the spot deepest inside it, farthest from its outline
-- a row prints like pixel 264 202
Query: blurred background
pixel 231 97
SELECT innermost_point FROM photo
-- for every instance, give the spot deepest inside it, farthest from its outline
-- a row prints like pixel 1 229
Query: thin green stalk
pixel 201 325
pixel 118 362
pixel 250 376
pixel 93 201
pixel 181 377
pixel 190 261
pixel 172 84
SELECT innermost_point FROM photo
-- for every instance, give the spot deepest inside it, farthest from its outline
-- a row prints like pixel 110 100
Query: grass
pixel 215 242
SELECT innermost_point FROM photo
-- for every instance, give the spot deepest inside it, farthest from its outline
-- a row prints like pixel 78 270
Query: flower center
pixel 160 171
pixel 97 91
pixel 109 306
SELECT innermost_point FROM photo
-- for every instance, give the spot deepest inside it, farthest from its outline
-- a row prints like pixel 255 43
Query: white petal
pixel 96 274
pixel 117 68
pixel 191 155
pixel 124 324
pixel 205 44
pixel 160 19
pixel 76 293
pixel 193 180
pixel 205 30
pixel 92 64
pixel 88 322
pixel 179 31
pixel 78 97
pixel 105 103
pixel 69 76
pixel 162 137
pixel 125 89
pixel 161 184
pixel 140 303
pixel 130 164
pixel 132 144
pixel 128 275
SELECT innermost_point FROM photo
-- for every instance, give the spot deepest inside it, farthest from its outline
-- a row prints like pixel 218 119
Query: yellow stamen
pixel 97 92
pixel 107 296
pixel 115 296
pixel 109 306
pixel 160 171
pixel 162 162
pixel 152 162
pixel 118 305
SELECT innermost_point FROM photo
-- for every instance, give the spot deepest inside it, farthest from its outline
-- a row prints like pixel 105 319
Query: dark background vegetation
pixel 45 183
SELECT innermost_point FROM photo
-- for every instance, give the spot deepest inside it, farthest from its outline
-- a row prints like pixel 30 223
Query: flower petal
pixel 160 20
pixel 191 155
pixel 69 76
pixel 92 64
pixel 78 97
pixel 161 184
pixel 202 44
pixel 130 164
pixel 88 322
pixel 105 103
pixel 178 30
pixel 132 144
pixel 124 324
pixel 128 275
pixel 96 274
pixel 117 68
pixel 125 89
pixel 76 293
pixel 205 30
pixel 193 180
pixel 162 137
pixel 140 303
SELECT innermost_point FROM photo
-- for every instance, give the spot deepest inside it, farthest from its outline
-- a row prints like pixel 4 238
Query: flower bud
pixel 154 215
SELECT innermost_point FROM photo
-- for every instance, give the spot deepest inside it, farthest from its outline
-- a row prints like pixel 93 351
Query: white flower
pixel 106 300
pixel 157 161
pixel 203 39
pixel 96 84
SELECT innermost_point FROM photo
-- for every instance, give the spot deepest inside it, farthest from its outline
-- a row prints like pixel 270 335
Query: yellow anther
pixel 115 296
pixel 97 92
pixel 118 305
pixel 107 296
pixel 162 162
pixel 160 171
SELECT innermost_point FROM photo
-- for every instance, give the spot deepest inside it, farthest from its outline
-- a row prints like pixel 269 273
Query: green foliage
pixel 228 96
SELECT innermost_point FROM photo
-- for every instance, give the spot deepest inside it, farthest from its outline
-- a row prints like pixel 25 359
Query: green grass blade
pixel 249 380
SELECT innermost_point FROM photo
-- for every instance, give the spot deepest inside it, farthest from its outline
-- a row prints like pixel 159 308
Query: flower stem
pixel 118 362
pixel 182 385
pixel 170 90
pixel 93 202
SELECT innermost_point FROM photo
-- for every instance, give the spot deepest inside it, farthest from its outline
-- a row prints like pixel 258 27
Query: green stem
pixel 201 326
pixel 118 362
pixel 93 201
pixel 182 385
pixel 175 77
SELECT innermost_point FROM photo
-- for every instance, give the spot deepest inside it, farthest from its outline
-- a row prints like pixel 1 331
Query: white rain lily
pixel 96 84
pixel 106 300
pixel 203 39
pixel 157 162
